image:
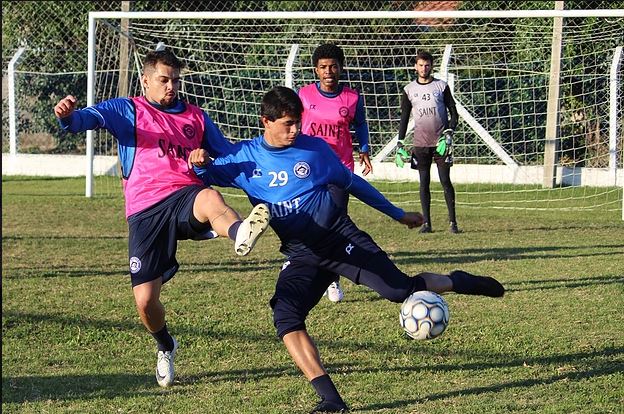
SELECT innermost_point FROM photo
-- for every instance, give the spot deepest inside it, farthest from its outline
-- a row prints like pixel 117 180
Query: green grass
pixel 72 341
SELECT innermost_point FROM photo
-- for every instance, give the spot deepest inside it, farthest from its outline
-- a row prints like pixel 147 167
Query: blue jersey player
pixel 290 173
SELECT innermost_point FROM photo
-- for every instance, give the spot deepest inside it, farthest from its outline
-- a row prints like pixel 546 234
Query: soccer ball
pixel 424 315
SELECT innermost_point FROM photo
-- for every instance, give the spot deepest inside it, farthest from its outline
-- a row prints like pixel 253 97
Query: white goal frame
pixel 512 167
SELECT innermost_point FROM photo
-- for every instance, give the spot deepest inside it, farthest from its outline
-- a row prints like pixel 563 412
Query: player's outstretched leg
pixel 164 366
pixel 467 284
pixel 251 228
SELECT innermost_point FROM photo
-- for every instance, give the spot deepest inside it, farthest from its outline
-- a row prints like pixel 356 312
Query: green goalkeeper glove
pixel 401 156
pixel 445 143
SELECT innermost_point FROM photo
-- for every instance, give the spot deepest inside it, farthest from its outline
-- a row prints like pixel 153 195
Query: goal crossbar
pixel 497 69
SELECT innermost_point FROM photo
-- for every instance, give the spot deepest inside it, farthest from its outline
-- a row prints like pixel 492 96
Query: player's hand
pixel 364 159
pixel 198 158
pixel 412 220
pixel 65 107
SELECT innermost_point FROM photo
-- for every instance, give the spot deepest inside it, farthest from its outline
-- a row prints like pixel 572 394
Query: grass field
pixel 72 341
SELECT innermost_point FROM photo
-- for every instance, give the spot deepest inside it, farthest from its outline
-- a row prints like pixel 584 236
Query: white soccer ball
pixel 424 315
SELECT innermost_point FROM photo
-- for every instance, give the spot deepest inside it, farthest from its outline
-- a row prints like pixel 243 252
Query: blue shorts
pixel 153 236
pixel 347 251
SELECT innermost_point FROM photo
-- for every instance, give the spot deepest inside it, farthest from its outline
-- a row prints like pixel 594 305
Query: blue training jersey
pixel 118 117
pixel 293 181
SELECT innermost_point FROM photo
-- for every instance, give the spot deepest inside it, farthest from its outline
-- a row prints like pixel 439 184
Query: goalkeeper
pixel 432 106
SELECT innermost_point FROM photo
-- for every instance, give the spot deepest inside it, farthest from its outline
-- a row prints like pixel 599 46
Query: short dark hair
pixel 279 102
pixel 165 57
pixel 328 51
pixel 424 55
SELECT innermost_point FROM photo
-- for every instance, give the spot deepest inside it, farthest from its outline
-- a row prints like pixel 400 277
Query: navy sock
pixel 234 229
pixel 326 389
pixel 163 339
pixel 467 284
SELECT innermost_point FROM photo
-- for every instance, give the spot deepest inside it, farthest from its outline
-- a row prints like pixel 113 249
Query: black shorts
pixel 422 158
pixel 348 251
pixel 153 236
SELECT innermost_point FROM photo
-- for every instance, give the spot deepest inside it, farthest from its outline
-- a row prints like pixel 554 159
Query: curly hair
pixel 328 51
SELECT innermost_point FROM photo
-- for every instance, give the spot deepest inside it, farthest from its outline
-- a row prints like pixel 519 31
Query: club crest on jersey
pixel 302 169
pixel 188 130
pixel 343 111
pixel 135 264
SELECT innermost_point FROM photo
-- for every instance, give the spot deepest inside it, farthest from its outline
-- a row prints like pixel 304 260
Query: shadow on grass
pixel 40 237
pixel 75 387
pixel 12 319
pixel 604 368
pixel 507 253
pixel 564 225
pixel 572 282
pixel 234 265
pixel 81 387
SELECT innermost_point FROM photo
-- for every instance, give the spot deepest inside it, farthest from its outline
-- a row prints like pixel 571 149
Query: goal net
pixel 538 93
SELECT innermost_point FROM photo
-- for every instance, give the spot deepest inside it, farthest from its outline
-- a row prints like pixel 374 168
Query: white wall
pixel 56 165
pixel 75 166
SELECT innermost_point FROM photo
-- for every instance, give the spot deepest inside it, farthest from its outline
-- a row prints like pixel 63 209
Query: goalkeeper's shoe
pixel 164 366
pixel 467 284
pixel 334 292
pixel 326 406
pixel 251 229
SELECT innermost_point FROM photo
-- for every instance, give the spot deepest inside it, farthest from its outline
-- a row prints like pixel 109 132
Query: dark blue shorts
pixel 347 251
pixel 153 236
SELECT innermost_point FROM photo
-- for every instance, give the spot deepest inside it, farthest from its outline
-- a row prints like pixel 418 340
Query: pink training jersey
pixel 163 143
pixel 329 118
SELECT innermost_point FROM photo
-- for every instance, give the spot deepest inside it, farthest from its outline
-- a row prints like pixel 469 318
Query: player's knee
pixel 208 198
pixel 146 300
pixel 146 304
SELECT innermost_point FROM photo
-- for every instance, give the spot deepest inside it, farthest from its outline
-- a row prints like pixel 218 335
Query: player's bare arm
pixel 65 107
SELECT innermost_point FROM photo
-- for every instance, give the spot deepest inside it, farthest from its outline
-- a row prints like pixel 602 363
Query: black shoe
pixel 467 284
pixel 426 228
pixel 325 406
pixel 454 229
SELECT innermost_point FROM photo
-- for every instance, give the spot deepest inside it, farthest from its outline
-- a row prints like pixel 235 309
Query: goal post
pixel 497 63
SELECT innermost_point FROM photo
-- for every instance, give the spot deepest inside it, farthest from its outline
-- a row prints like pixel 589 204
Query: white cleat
pixel 251 228
pixel 334 292
pixel 164 366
